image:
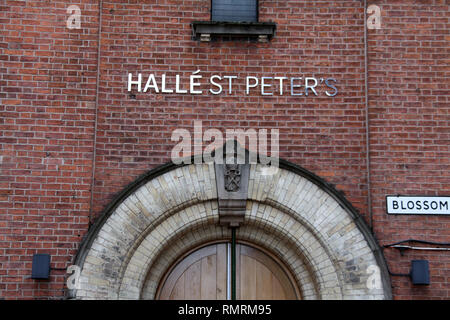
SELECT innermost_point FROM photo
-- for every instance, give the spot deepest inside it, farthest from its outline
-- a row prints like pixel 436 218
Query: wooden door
pixel 202 275
pixel 259 277
pixel 205 274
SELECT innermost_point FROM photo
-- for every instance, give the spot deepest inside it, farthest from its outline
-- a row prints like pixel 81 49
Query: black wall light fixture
pixel 420 272
pixel 41 266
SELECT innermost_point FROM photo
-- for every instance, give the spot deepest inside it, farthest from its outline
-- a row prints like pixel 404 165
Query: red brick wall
pixel 48 80
pixel 410 132
pixel 49 85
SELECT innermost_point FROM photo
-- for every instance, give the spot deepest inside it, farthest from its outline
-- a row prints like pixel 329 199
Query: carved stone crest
pixel 232 177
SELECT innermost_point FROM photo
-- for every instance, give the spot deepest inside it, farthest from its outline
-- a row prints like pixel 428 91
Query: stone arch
pixel 294 214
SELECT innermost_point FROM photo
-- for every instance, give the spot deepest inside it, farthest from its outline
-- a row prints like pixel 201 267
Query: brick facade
pixel 72 136
pixel 410 132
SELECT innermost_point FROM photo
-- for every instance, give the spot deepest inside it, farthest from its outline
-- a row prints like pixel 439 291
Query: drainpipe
pixel 94 153
pixel 367 124
pixel 233 263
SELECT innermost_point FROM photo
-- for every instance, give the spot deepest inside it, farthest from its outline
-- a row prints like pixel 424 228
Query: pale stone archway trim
pixel 118 257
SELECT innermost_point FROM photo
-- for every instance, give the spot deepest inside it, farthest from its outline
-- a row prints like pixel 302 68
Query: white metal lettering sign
pixel 417 205
pixel 197 83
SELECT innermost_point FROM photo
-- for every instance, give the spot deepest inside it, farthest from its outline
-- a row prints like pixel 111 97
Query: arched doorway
pixel 306 224
pixel 205 274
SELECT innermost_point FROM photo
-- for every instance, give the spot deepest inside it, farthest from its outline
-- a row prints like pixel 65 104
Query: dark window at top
pixel 234 10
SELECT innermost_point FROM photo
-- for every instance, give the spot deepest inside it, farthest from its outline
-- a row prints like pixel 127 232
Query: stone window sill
pixel 204 30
